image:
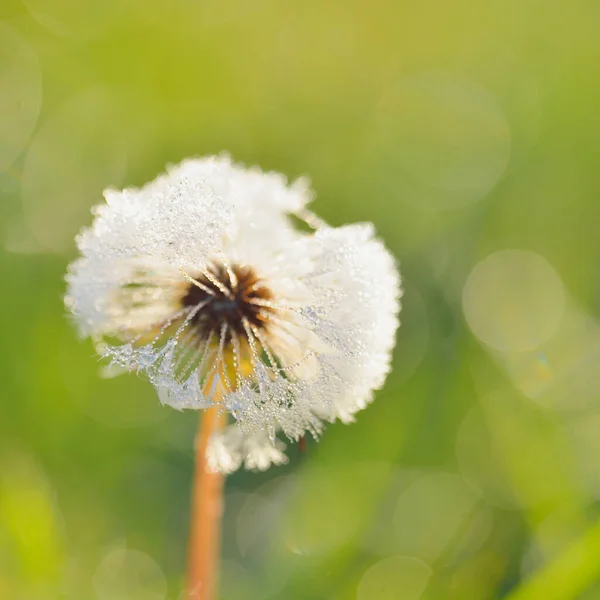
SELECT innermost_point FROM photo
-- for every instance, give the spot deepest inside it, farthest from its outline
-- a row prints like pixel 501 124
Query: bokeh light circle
pixel 446 132
pixel 256 515
pixel 395 577
pixel 513 300
pixel 429 514
pixel 127 574
pixel 558 375
pixel 21 97
pixel 317 529
pixel 59 187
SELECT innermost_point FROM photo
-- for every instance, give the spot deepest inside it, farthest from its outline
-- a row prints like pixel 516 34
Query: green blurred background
pixel 469 133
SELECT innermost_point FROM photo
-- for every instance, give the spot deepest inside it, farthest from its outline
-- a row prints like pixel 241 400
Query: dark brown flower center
pixel 228 299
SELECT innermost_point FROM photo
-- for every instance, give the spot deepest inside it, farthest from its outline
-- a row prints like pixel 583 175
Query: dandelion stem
pixel 207 509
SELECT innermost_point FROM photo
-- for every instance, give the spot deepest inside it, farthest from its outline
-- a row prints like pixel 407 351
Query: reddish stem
pixel 207 509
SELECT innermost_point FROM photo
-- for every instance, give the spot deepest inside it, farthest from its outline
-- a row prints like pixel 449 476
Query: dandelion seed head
pixel 200 281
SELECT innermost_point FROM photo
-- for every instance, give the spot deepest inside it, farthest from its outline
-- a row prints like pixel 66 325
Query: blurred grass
pixel 461 130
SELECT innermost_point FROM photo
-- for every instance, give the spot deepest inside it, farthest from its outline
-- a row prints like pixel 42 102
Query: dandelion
pixel 203 282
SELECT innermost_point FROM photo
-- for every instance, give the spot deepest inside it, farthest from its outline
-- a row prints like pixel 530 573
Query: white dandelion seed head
pixel 200 281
